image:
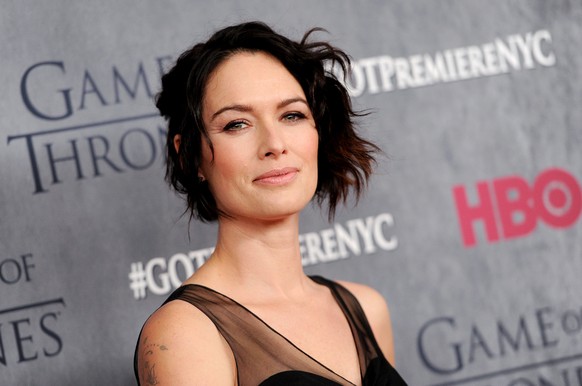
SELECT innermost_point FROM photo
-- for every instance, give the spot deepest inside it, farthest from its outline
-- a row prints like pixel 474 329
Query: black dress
pixel 266 358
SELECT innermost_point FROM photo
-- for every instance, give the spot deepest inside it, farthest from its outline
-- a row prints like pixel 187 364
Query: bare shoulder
pixel 377 313
pixel 371 300
pixel 179 345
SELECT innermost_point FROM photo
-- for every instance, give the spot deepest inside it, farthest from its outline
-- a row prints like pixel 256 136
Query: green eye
pixel 235 125
pixel 294 116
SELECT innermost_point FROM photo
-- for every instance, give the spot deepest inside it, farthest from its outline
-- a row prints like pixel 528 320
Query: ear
pixel 177 141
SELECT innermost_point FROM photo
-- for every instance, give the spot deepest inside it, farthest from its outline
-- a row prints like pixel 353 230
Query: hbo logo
pixel 510 207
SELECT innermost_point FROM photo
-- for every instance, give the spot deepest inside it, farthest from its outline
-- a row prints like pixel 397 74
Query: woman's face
pixel 264 137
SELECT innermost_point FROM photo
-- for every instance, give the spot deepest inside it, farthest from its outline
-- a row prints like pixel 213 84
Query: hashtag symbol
pixel 137 280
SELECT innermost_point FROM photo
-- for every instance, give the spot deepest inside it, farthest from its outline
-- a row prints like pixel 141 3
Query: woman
pixel 257 128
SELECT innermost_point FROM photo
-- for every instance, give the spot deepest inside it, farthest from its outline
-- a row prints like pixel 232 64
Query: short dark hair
pixel 345 159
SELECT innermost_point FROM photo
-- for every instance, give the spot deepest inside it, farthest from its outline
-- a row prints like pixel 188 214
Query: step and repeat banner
pixel 470 228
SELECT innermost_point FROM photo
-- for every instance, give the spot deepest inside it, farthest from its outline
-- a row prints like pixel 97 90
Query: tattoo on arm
pixel 148 370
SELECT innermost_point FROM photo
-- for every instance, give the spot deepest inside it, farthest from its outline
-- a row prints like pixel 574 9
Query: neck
pixel 260 256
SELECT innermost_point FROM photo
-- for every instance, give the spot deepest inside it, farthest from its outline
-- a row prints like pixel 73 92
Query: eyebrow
pixel 247 108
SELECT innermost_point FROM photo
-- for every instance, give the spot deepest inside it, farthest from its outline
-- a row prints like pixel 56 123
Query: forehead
pixel 248 77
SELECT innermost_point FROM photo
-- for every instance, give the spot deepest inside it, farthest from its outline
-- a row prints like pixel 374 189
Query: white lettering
pixel 403 78
pixel 388 245
pixel 462 62
pixel 356 83
pixel 476 64
pixel 507 54
pixel 541 58
pixel 436 70
pixel 347 239
pixel 491 59
pixel 416 65
pixel 368 65
pixel 365 230
pixel 451 65
pixel 512 53
pixel 313 245
pixel 329 244
pixel 153 286
pixel 524 46
pixel 355 237
pixel 172 268
pixel 386 72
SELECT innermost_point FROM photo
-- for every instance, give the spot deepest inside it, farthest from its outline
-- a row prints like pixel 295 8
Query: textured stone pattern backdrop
pixel 470 228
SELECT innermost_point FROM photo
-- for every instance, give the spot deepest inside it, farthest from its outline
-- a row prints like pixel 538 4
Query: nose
pixel 272 141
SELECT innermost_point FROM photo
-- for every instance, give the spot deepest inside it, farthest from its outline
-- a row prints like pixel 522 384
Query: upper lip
pixel 277 172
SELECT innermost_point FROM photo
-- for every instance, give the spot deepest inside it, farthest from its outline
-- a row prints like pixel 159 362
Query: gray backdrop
pixel 470 227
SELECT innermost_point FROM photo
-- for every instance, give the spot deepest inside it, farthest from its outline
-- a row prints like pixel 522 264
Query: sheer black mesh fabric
pixel 265 357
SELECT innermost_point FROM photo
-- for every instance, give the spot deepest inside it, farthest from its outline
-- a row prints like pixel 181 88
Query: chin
pixel 280 213
pixel 271 206
pixel 275 211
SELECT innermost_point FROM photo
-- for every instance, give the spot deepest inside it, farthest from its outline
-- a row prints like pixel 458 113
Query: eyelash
pixel 293 117
pixel 231 125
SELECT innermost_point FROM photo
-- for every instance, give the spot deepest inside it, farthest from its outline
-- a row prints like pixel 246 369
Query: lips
pixel 277 176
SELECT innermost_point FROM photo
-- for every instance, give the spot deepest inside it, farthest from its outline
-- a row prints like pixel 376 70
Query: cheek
pixel 227 166
pixel 223 168
pixel 311 145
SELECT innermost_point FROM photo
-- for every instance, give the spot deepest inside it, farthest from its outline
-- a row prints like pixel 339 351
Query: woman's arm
pixel 179 345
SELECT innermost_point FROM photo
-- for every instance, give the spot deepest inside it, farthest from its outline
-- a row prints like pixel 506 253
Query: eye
pixel 294 116
pixel 235 125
